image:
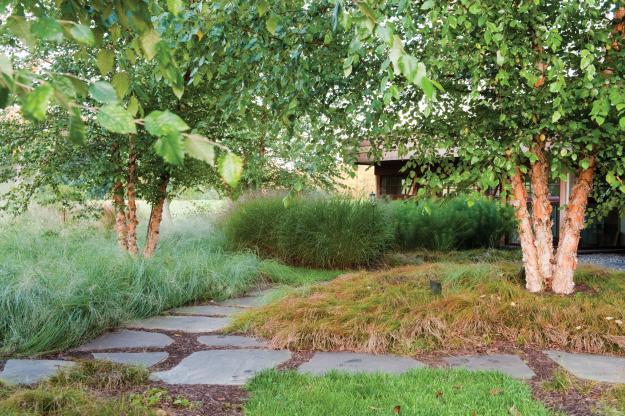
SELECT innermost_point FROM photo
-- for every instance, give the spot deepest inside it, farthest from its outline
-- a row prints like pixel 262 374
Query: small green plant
pixel 560 381
pixel 158 397
pixel 101 375
pixel 313 231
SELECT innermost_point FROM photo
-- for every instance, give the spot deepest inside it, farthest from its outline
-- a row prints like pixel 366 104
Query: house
pixel 605 235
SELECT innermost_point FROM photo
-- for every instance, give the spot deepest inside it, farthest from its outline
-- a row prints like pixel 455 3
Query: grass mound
pixel 313 231
pixel 395 311
pixel 62 285
pixel 418 392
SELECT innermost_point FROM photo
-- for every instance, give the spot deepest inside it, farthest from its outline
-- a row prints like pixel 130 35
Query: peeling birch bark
pixel 541 215
pixel 156 216
pixel 131 196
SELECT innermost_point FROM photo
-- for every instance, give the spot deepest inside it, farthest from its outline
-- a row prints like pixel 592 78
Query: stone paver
pixel 323 362
pixel 125 338
pixel 230 341
pixel 511 365
pixel 31 371
pixel 211 310
pixel 144 359
pixel 225 367
pixel 245 302
pixel 181 323
pixel 591 367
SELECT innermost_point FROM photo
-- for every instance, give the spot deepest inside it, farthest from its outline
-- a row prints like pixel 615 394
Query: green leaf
pixel 103 92
pixel 396 52
pixel 149 40
pixel 584 164
pixel 272 23
pixel 621 123
pixel 162 123
pixel 82 34
pixel 105 60
pixel 170 148
pixel 5 65
pixel 47 28
pixel 77 132
pixel 175 7
pixel 121 82
pixel 500 58
pixel 133 106
pixel 4 97
pixel 555 117
pixel 231 168
pixel 116 119
pixel 262 7
pixel 408 65
pixel 35 104
pixel 199 147
pixel 610 178
pixel 427 87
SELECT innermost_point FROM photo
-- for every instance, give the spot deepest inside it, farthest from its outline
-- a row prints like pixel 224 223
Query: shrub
pixel 327 232
pixel 449 224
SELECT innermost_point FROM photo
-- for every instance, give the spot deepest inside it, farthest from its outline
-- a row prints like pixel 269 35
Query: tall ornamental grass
pixel 450 223
pixel 60 285
pixel 315 231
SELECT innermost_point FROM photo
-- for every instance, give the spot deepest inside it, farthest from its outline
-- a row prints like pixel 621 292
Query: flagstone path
pixel 211 358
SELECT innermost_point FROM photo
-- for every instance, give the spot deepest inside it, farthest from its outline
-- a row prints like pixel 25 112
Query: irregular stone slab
pixel 125 338
pixel 230 341
pixel 323 362
pixel 144 359
pixel 31 371
pixel 591 367
pixel 181 323
pixel 226 367
pixel 219 310
pixel 246 302
pixel 509 364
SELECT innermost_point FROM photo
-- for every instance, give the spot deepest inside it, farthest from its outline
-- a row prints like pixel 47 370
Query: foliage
pixel 64 285
pixel 417 392
pixel 101 375
pixel 395 311
pixel 417 257
pixel 281 274
pixel 317 231
pixel 450 223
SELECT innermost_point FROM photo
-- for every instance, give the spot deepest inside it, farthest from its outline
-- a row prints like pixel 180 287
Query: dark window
pixel 392 185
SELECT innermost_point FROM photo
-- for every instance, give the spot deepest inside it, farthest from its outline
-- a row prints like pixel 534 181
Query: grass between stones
pixel 418 392
pixel 395 311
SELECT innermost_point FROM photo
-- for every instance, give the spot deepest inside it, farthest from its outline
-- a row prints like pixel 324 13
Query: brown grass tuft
pixel 394 311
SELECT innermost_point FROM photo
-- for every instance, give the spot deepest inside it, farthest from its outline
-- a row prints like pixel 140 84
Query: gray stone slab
pixel 323 362
pixel 591 367
pixel 230 341
pixel 144 359
pixel 31 371
pixel 225 367
pixel 210 310
pixel 509 364
pixel 124 338
pixel 181 323
pixel 245 302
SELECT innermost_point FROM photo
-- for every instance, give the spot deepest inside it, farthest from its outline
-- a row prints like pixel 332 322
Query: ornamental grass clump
pixel 314 231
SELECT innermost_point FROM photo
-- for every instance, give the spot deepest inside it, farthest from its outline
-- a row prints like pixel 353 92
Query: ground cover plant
pixel 450 223
pixel 396 311
pixel 313 231
pixel 63 284
pixel 418 392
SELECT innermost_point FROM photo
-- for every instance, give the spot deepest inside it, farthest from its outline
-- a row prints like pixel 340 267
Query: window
pixel 392 185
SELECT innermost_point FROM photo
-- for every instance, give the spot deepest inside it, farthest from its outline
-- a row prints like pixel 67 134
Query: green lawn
pixel 418 392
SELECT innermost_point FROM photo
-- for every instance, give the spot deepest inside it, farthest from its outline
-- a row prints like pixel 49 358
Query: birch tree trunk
pixel 533 277
pixel 156 216
pixel 121 227
pixel 566 255
pixel 541 215
pixel 131 196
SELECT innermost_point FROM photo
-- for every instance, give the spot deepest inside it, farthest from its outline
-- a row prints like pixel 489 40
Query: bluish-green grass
pixel 419 392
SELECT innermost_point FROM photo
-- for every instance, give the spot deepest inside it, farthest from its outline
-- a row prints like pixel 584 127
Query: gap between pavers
pixel 192 324
pixel 143 359
pixel 509 364
pixel 31 371
pixel 324 362
pixel 591 366
pixel 222 367
pixel 125 338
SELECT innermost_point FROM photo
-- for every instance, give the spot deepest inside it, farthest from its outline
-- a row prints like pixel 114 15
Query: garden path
pixel 185 347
